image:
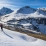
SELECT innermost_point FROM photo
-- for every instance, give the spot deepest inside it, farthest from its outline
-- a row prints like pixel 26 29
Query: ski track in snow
pixel 7 35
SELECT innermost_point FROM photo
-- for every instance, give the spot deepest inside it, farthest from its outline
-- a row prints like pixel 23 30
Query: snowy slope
pixel 8 17
pixel 11 38
pixel 20 16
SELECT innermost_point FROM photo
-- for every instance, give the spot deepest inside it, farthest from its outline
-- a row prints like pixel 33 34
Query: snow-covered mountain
pixel 26 10
pixel 25 15
pixel 29 10
pixel 5 11
pixel 42 11
pixel 22 13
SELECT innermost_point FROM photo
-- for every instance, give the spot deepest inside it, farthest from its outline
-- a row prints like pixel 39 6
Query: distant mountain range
pixel 23 16
pixel 29 10
pixel 24 12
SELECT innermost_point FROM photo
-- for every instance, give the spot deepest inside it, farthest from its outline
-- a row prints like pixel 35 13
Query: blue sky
pixel 16 4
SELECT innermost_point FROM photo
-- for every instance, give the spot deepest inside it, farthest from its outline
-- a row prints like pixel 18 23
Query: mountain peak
pixel 5 8
pixel 5 11
pixel 26 10
pixel 27 6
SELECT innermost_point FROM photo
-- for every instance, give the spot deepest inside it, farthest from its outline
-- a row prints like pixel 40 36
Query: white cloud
pixel 6 3
pixel 9 6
